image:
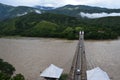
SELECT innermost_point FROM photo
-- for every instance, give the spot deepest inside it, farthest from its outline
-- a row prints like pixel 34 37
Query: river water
pixel 30 56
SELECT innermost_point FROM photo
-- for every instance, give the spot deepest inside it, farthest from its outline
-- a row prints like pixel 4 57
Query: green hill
pixel 60 26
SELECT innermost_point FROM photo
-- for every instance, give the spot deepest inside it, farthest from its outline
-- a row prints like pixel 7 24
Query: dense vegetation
pixel 7 71
pixel 60 26
pixel 63 77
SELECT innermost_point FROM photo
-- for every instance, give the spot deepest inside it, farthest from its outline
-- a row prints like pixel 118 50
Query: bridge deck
pixel 79 66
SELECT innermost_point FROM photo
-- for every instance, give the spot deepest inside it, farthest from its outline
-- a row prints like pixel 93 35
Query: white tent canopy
pixel 97 74
pixel 52 72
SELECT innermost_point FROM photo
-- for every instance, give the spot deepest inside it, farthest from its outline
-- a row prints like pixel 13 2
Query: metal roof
pixel 52 72
pixel 97 74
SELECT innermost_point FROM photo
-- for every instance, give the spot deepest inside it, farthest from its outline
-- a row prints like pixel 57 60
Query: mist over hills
pixel 7 11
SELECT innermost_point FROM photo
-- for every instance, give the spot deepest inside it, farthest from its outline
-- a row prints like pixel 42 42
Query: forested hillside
pixel 60 26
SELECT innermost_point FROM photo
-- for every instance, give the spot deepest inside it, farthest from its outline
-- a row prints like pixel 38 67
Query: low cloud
pixel 98 15
pixel 37 11
pixel 22 14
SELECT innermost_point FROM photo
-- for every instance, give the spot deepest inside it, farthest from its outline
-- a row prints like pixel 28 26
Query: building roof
pixel 97 74
pixel 52 72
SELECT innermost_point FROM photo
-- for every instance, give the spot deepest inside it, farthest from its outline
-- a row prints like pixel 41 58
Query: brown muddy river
pixel 30 56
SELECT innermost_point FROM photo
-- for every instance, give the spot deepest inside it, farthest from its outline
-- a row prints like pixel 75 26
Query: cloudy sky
pixel 57 3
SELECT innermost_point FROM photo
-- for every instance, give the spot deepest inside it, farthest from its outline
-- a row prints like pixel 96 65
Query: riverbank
pixel 24 37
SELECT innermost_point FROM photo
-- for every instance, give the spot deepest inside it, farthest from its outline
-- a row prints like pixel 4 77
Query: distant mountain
pixel 78 11
pixel 7 11
pixel 75 10
pixel 4 10
pixel 44 8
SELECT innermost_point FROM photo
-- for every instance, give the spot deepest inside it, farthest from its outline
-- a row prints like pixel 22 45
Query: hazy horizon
pixel 52 3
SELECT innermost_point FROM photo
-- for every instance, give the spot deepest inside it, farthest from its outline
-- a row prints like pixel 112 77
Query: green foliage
pixel 18 77
pixel 43 29
pixel 63 77
pixel 7 70
pixel 60 26
pixel 99 33
pixel 69 33
pixel 77 30
pixel 4 76
pixel 8 28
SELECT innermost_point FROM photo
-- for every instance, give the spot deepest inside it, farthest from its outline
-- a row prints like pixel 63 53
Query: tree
pixel 69 33
pixel 18 77
pixel 4 76
pixel 77 30
pixel 43 29
pixel 6 68
pixel 63 77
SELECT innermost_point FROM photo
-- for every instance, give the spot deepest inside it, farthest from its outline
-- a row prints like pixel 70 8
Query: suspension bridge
pixel 79 66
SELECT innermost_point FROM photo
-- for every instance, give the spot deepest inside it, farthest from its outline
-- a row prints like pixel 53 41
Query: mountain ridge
pixel 7 11
pixel 74 10
pixel 43 7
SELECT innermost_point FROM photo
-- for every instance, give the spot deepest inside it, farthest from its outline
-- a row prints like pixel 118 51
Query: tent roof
pixel 97 74
pixel 52 72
